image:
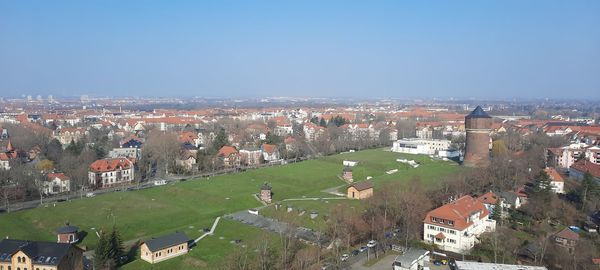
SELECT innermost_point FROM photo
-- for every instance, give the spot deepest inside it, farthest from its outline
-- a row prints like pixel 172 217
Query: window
pixel 452 241
pixel 19 259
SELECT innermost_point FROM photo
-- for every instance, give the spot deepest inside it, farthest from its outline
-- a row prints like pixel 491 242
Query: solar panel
pixel 53 260
pixel 48 259
pixel 3 256
pixel 40 259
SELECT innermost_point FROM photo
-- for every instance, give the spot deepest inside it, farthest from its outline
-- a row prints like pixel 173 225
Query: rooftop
pixel 478 113
pixel 156 244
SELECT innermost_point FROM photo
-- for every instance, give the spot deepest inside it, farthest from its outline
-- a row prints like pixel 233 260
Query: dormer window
pixel 450 222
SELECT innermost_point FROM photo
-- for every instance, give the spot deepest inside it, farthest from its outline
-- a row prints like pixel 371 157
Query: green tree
pixel 75 147
pixel 102 253
pixel 116 245
pixel 220 140
pixel 323 123
pixel 314 120
pixel 272 138
pixel 543 184
pixel 339 121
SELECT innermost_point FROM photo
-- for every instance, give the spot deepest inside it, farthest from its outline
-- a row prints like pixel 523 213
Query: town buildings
pixel 23 254
pixel 578 170
pixel 165 247
pixel 456 226
pixel 56 183
pixel 110 172
pixel 421 146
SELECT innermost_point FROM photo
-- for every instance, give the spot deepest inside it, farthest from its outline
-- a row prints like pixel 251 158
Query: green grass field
pixel 193 205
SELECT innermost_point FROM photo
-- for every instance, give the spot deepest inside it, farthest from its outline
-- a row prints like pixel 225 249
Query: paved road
pixel 384 263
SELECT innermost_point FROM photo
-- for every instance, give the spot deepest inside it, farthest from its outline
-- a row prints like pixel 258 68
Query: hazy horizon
pixel 496 50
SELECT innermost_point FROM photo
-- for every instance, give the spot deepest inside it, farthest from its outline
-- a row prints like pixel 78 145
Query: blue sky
pixel 497 49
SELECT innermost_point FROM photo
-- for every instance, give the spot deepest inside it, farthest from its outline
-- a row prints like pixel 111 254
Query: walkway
pixel 212 230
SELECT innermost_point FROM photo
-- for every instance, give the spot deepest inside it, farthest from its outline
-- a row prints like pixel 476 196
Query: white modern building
pixel 422 146
pixel 466 265
pixel 456 226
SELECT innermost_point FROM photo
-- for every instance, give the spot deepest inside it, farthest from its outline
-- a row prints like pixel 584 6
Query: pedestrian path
pixel 212 230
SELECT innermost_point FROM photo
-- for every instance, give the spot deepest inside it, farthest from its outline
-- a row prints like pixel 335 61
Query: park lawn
pixel 192 205
pixel 211 251
pixel 322 206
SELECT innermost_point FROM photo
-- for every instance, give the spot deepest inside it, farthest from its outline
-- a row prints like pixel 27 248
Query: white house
pixel 270 152
pixel 110 172
pixel 421 146
pixel 557 182
pixel 350 163
pixel 456 226
pixel 56 183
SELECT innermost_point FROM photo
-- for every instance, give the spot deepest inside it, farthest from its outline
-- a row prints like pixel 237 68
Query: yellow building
pixel 33 255
pixel 361 190
pixel 165 247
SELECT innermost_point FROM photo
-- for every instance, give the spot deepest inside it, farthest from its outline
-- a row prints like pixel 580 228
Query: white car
pixel 90 194
pixel 371 243
pixel 345 257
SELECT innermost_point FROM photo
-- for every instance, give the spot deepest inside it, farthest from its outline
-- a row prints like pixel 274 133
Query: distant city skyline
pixel 461 49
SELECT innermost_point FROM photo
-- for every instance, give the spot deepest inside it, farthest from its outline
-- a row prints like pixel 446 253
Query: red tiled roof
pixel 227 150
pixel 440 236
pixel 488 198
pixel 587 166
pixel 458 211
pixel 568 234
pixel 61 176
pixel 554 175
pixel 110 164
pixel 289 140
pixel 269 148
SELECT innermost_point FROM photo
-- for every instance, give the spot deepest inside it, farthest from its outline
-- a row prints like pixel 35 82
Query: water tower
pixel 478 125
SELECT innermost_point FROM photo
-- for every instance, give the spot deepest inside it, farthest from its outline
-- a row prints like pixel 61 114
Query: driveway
pixel 384 263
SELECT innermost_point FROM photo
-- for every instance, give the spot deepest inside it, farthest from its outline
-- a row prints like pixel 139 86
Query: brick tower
pixel 478 125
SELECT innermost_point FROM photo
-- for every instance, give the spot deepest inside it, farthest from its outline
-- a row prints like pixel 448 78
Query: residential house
pixel 291 145
pixel 131 149
pixel 360 190
pixel 165 247
pixel 251 156
pixel 578 170
pixel 456 226
pixel 567 238
pixel 313 132
pixel 229 156
pixel 110 172
pixel 56 183
pixel 67 135
pixel 557 183
pixel 34 255
pixel 270 152
pixel 564 157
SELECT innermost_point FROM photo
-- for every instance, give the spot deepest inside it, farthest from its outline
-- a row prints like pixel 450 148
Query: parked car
pixel 327 266
pixel 355 252
pixel 90 194
pixel 437 262
pixel 345 257
pixel 363 249
pixel 372 243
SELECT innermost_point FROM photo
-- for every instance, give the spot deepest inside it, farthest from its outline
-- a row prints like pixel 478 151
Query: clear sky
pixel 301 48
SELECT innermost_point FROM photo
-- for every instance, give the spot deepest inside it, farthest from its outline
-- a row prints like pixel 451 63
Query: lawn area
pixel 323 207
pixel 193 205
pixel 211 250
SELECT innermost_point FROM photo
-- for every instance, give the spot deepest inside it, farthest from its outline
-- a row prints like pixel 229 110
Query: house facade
pixel 34 255
pixel 456 226
pixel 361 190
pixel 229 156
pixel 557 183
pixel 250 157
pixel 270 152
pixel 165 247
pixel 56 183
pixel 110 172
pixel 420 146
